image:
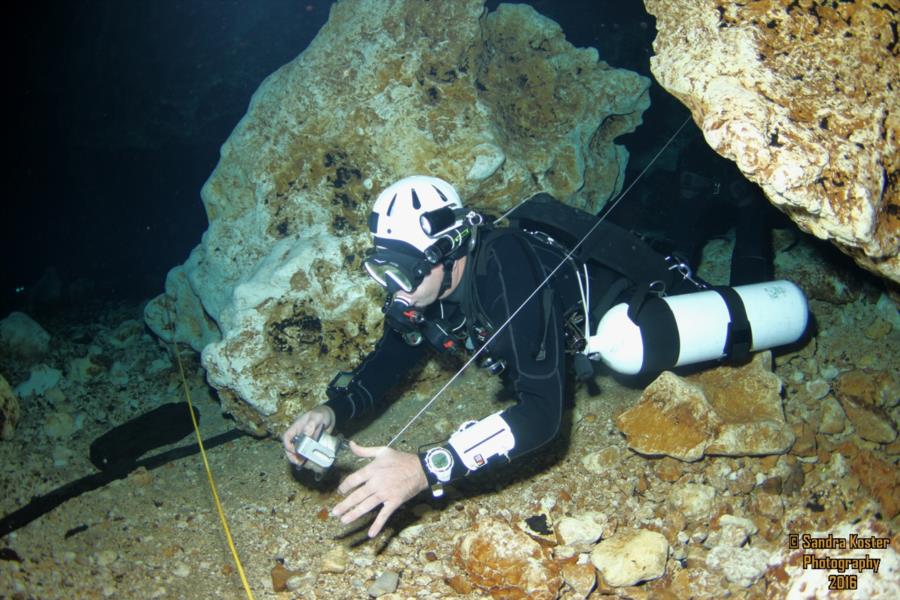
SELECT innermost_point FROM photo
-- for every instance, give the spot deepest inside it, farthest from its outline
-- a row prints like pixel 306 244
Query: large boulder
pixel 499 104
pixel 803 97
pixel 726 411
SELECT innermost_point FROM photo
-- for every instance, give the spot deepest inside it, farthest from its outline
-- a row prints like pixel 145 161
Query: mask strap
pixel 448 277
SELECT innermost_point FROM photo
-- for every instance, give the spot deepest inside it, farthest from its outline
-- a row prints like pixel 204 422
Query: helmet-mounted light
pixel 435 221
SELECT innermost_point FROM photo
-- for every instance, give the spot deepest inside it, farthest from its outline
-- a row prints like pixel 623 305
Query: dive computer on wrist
pixel 439 462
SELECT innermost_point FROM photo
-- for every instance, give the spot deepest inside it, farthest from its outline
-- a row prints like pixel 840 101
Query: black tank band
pixel 739 339
pixel 659 335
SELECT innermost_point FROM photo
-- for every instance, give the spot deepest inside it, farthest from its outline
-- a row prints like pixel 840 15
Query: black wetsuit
pixel 532 345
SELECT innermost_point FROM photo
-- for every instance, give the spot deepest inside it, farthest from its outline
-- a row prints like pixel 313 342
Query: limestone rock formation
pixel 630 557
pixel 500 104
pixel 731 411
pixel 803 96
pixel 505 561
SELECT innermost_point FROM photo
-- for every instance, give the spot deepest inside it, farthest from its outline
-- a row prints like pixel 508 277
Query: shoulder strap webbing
pixel 608 244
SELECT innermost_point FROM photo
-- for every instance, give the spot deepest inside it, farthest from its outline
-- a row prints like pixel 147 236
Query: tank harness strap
pixel 607 243
pixel 642 293
pixel 739 338
pixel 547 306
pixel 608 299
pixel 623 252
pixel 472 303
pixel 447 280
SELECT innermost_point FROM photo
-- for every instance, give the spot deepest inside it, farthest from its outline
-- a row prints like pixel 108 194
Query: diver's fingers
pixel 386 511
pixel 354 499
pixel 360 509
pixel 366 451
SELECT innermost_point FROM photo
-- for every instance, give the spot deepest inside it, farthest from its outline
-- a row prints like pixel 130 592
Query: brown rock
pixel 668 469
pixel 752 439
pixel 672 418
pixel 280 576
pixel 772 485
pixel 747 399
pixel 580 578
pixel 768 505
pixel 893 449
pixel 459 584
pixel 746 393
pixel 871 423
pixel 507 563
pixel 868 388
pixel 731 411
pixel 697 583
pixel 832 418
pixel 805 442
pixel 881 478
pixel 794 480
pixel 768 462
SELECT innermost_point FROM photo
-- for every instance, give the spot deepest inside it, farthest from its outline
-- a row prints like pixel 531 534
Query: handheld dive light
pixel 320 453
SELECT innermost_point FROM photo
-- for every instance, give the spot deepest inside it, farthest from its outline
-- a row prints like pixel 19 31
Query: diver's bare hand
pixel 389 480
pixel 310 423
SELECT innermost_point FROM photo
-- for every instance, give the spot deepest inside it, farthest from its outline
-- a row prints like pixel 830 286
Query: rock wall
pixel 497 103
pixel 803 96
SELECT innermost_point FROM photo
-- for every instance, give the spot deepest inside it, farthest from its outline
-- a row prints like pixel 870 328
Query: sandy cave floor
pixel 156 533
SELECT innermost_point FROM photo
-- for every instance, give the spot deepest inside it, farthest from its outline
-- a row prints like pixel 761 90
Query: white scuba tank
pixel 696 327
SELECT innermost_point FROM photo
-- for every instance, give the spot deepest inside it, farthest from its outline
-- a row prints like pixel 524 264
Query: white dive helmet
pixel 396 214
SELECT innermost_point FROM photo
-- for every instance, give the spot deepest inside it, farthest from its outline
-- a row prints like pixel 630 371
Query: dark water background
pixel 120 107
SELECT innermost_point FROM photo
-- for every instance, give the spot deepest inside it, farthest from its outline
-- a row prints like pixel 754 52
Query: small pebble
pixel 106 557
pixel 335 561
pixel 386 583
pixel 818 389
pixel 829 372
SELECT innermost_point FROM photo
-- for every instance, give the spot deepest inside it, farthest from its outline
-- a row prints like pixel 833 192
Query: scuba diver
pixel 528 299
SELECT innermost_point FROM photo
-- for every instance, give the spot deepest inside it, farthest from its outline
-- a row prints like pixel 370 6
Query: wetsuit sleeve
pixel 532 345
pixel 388 363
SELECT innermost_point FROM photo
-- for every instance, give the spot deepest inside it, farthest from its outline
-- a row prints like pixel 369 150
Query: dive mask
pixel 396 271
